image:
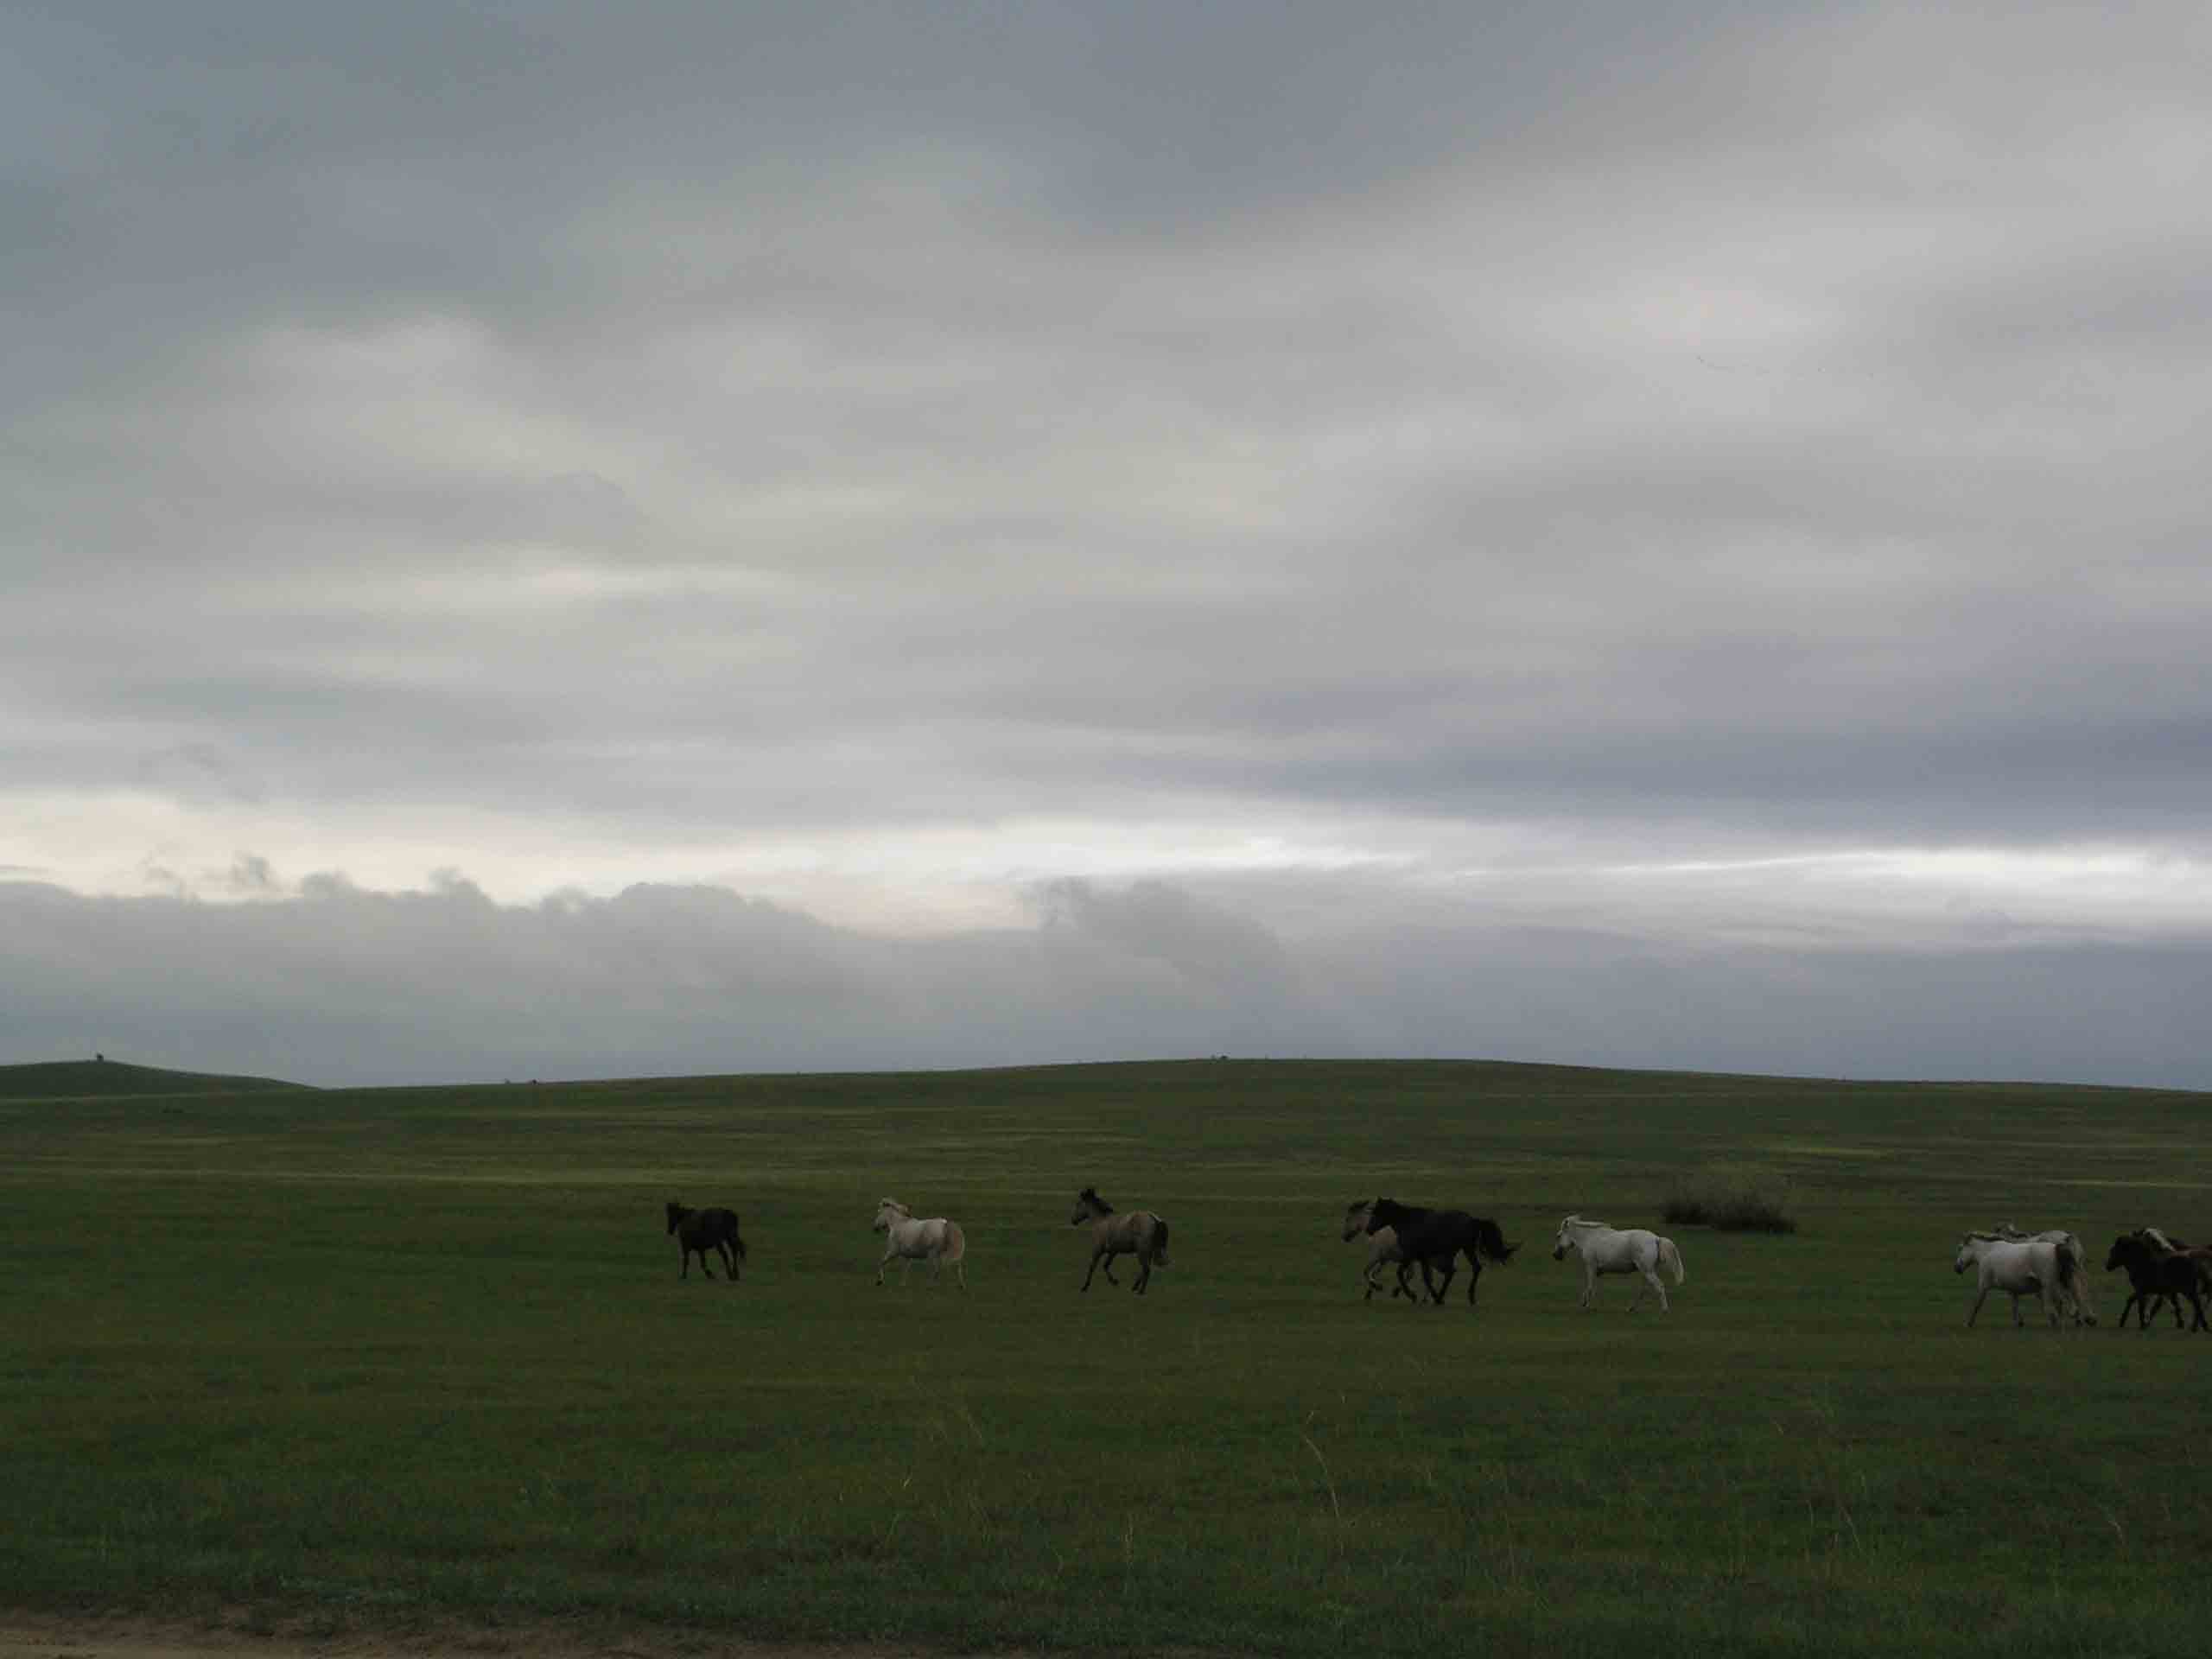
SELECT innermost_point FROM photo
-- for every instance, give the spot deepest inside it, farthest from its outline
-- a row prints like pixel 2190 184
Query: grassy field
pixel 387 1358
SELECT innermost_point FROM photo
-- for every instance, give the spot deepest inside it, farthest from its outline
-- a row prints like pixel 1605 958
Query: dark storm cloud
pixel 342 986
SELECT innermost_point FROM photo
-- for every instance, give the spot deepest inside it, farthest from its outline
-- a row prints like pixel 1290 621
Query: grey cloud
pixel 342 985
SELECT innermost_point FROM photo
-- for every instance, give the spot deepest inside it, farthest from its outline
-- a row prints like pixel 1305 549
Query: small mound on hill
pixel 91 1080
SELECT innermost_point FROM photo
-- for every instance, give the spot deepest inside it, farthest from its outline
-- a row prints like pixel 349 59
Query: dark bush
pixel 1727 1207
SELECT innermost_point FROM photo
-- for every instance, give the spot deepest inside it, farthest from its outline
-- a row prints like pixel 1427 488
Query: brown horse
pixel 1141 1233
pixel 697 1231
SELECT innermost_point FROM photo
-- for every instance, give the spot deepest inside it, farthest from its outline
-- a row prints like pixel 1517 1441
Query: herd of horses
pixel 2052 1266
pixel 1408 1235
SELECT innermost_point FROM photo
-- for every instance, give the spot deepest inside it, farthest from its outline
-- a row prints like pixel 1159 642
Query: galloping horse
pixel 2049 1269
pixel 2159 1270
pixel 2200 1254
pixel 1436 1239
pixel 1382 1249
pixel 2074 1304
pixel 697 1231
pixel 1618 1249
pixel 936 1240
pixel 1140 1233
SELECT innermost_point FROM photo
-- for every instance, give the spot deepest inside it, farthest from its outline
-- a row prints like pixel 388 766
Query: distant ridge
pixel 90 1079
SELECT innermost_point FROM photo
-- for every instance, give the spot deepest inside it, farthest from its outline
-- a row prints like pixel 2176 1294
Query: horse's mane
pixel 1579 1221
pixel 893 1204
pixel 1090 1195
pixel 2157 1237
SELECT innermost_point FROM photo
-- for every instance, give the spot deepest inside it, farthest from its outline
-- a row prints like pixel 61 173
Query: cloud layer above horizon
pixel 1662 495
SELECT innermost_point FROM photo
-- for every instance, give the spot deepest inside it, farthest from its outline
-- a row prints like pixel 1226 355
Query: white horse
pixel 1382 1251
pixel 1615 1249
pixel 2046 1268
pixel 907 1241
pixel 2074 1301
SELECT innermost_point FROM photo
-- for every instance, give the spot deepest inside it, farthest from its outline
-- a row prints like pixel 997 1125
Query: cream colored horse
pixel 2074 1299
pixel 2037 1267
pixel 1141 1233
pixel 907 1241
pixel 1618 1249
pixel 1382 1251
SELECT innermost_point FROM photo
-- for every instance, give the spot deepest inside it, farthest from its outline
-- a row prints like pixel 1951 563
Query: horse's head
pixel 675 1214
pixel 2125 1248
pixel 888 1211
pixel 1089 1206
pixel 1970 1253
pixel 1356 1215
pixel 1563 1240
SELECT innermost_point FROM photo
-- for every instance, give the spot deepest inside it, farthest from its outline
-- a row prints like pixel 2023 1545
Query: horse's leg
pixel 1144 1270
pixel 1095 1254
pixel 1652 1281
pixel 1589 1284
pixel 888 1252
pixel 1976 1309
pixel 1404 1287
pixel 1451 1272
pixel 1474 1274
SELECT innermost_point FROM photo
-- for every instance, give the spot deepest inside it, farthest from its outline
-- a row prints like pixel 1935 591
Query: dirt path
pixel 22 1637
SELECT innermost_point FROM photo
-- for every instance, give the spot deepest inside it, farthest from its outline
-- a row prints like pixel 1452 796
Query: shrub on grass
pixel 1727 1207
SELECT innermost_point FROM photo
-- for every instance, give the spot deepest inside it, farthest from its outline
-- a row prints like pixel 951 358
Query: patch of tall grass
pixel 1728 1204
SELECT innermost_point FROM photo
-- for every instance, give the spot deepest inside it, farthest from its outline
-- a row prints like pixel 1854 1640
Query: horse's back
pixel 1632 1248
pixel 2009 1264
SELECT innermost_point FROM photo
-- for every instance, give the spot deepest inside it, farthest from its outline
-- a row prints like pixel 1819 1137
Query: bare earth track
pixel 30 1637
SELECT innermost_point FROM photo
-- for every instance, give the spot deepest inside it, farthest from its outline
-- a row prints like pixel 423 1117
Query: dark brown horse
pixel 1436 1239
pixel 2159 1268
pixel 698 1231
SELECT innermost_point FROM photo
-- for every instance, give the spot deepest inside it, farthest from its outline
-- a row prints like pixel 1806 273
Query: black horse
pixel 698 1231
pixel 1436 1239
pixel 2155 1275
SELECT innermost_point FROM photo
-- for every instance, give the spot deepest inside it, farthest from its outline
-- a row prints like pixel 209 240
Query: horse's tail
pixel 1489 1239
pixel 2071 1279
pixel 1671 1257
pixel 736 1239
pixel 2084 1309
pixel 1160 1241
pixel 956 1242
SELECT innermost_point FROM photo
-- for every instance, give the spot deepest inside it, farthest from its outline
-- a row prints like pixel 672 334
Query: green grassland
pixel 79 1079
pixel 395 1358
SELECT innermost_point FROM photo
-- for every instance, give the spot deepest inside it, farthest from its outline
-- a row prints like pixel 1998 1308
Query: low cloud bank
pixel 336 984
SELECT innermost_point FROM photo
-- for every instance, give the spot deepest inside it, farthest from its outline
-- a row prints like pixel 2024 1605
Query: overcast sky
pixel 569 540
